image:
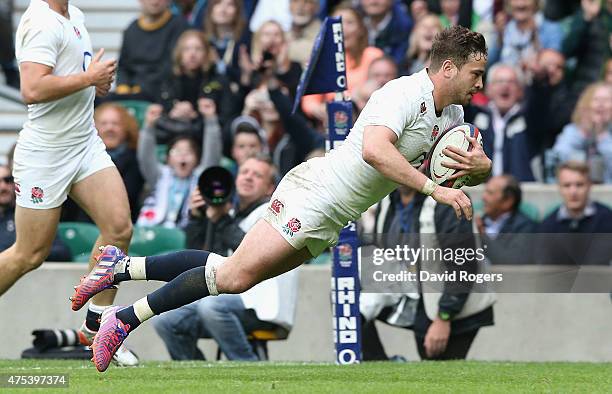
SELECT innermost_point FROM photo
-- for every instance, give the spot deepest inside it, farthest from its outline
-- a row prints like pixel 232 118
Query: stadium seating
pixel 80 238
pixel 147 241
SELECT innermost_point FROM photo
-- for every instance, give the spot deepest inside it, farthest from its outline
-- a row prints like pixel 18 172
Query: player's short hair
pixel 576 166
pixel 512 189
pixel 456 44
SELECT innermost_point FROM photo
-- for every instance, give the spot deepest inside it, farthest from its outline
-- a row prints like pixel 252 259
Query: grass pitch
pixel 381 378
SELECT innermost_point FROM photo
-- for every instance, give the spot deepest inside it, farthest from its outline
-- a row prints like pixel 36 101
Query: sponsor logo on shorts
pixel 435 132
pixel 17 189
pixel 293 226
pixel 37 195
pixel 345 254
pixel 276 206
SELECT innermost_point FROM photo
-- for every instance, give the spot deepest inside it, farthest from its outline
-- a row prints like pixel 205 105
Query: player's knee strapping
pixel 213 263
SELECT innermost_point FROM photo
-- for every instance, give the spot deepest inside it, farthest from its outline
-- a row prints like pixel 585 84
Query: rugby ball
pixel 455 136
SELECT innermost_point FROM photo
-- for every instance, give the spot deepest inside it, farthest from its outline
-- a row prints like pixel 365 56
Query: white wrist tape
pixel 429 187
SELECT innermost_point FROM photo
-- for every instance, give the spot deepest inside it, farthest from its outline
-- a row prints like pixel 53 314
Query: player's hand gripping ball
pixel 455 136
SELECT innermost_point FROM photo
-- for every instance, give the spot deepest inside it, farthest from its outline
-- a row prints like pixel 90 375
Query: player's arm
pixel 380 152
pixel 39 85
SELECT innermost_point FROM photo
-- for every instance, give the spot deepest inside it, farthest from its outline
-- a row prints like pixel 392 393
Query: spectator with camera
pixel 172 183
pixel 144 61
pixel 229 318
pixel 502 226
pixel 269 56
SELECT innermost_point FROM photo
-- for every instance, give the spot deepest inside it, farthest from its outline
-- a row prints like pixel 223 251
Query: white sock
pixel 142 310
pixel 137 268
pixel 97 308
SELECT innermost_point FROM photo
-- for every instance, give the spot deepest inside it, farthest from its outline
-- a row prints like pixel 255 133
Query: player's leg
pixel 263 253
pixel 35 230
pixel 102 195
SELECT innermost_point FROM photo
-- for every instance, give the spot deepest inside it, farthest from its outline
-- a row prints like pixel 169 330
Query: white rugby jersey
pixel 46 37
pixel 406 106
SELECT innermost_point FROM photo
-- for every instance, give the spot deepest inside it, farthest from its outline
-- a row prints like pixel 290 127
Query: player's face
pixel 574 188
pixel 245 145
pixel 468 80
pixel 253 181
pixel 7 187
pixel 192 54
pixel 110 128
pixel 182 159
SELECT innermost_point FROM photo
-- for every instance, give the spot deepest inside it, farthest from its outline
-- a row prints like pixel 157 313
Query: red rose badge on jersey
pixel 37 195
pixel 293 226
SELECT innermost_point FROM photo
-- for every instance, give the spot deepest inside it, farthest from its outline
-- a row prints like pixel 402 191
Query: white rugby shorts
pixel 44 177
pixel 302 211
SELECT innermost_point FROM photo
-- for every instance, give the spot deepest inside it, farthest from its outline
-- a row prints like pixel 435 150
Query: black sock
pixel 166 267
pixel 92 320
pixel 186 288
